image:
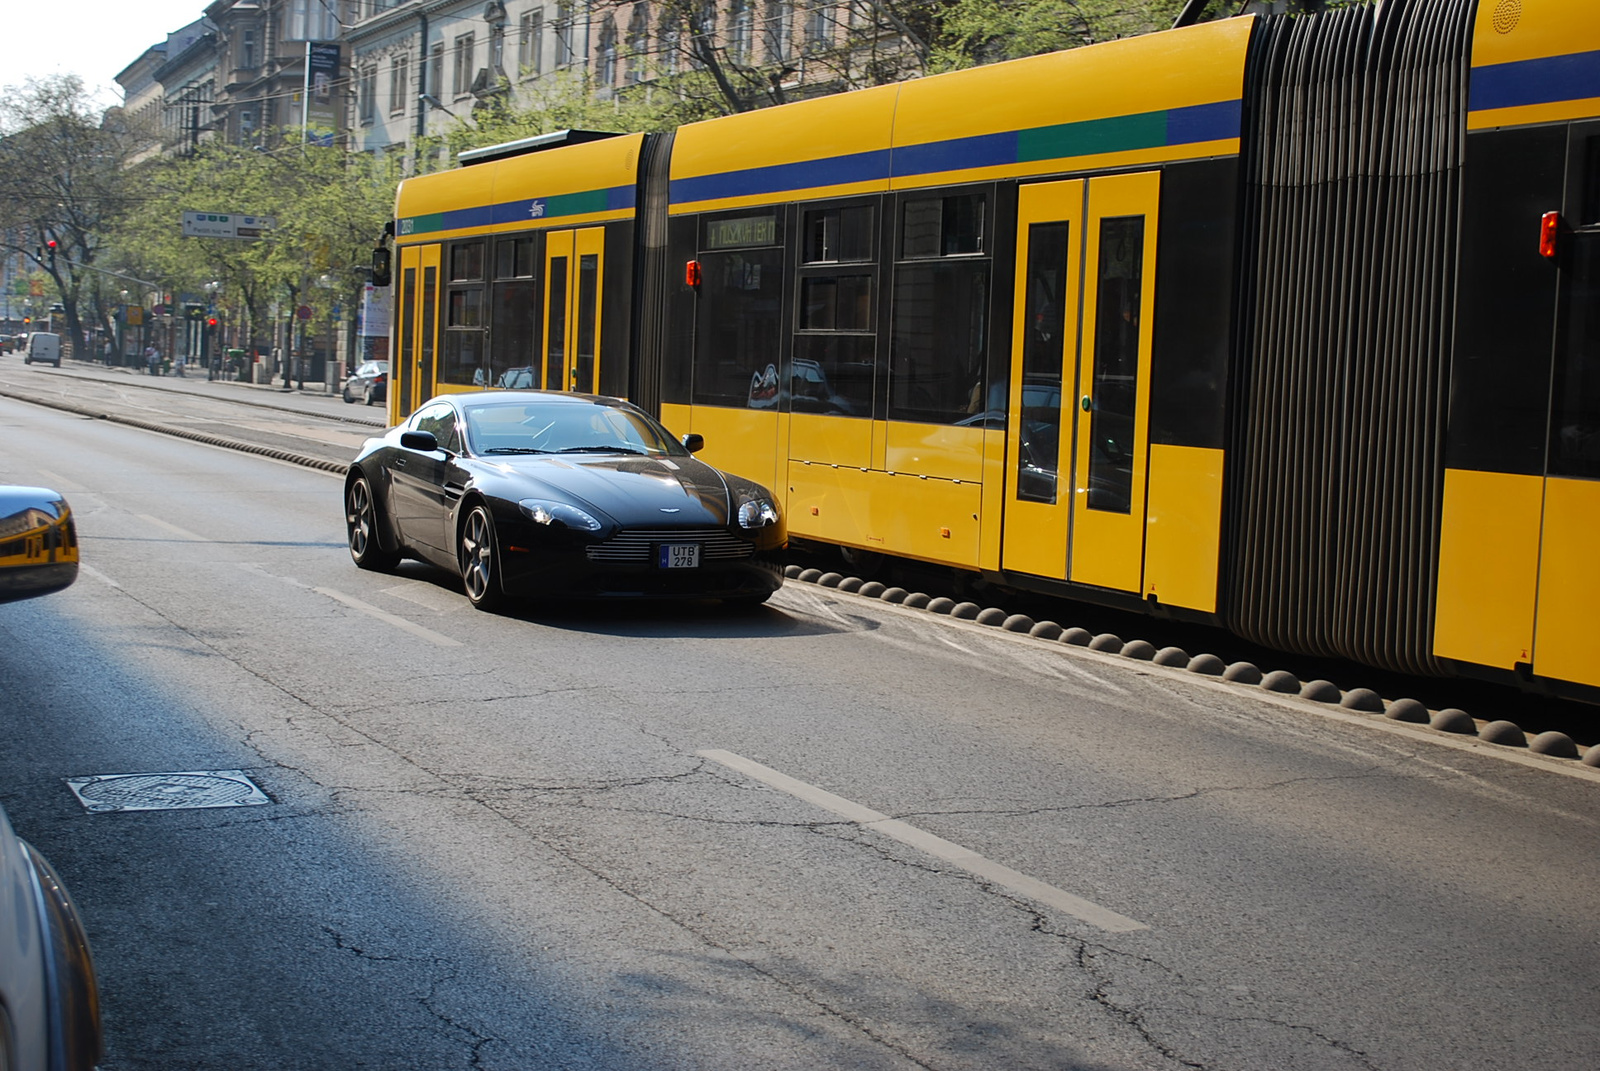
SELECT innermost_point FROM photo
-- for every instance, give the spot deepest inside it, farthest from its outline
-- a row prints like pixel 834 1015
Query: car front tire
pixel 363 525
pixel 478 556
pixel 369 395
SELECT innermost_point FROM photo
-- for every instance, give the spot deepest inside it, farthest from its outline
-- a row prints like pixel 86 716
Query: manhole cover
pixel 166 791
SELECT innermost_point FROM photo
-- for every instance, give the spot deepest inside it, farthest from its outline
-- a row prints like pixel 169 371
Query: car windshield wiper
pixel 517 450
pixel 617 449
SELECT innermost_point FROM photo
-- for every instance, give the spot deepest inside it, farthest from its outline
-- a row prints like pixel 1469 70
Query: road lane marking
pixel 356 604
pixel 98 575
pixel 393 619
pixel 968 860
pixel 57 482
pixel 174 529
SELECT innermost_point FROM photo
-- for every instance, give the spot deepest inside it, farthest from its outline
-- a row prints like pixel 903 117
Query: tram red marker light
pixel 691 274
pixel 944 533
pixel 1549 228
pixel 815 511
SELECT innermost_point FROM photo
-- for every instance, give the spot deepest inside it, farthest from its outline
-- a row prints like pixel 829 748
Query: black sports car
pixel 542 493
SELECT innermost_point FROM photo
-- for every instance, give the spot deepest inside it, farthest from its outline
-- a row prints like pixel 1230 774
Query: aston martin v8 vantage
pixel 549 494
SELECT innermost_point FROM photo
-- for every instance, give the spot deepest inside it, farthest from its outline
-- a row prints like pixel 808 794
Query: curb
pixel 1359 704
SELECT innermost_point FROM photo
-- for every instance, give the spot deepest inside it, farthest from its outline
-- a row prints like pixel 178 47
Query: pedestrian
pixel 152 359
pixel 178 362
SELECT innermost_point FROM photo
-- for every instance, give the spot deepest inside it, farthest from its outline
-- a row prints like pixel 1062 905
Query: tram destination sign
pixel 225 225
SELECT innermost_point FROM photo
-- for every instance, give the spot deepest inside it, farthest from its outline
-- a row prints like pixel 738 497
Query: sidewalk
pixel 259 393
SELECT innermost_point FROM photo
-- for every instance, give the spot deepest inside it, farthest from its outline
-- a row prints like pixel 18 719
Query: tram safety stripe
pixel 1546 80
pixel 954 854
pixel 1219 121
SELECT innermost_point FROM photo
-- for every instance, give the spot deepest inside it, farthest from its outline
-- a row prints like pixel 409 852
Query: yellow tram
pixel 1288 324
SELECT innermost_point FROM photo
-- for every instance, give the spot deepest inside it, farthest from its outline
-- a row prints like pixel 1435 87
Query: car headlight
pixel 757 513
pixel 558 514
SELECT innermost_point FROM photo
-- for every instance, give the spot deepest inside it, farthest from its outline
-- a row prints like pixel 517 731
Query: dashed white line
pixel 98 575
pixel 182 533
pixel 973 863
pixel 393 619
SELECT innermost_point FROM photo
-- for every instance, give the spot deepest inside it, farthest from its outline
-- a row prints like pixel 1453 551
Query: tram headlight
pixel 757 513
pixel 558 515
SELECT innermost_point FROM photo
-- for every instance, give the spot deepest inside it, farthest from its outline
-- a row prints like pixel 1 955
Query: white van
pixel 44 348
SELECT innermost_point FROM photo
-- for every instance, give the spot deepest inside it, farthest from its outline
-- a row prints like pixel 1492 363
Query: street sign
pixel 225 225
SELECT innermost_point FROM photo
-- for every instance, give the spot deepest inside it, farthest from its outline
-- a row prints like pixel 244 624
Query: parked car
pixel 43 348
pixel 543 493
pixel 49 1000
pixel 369 382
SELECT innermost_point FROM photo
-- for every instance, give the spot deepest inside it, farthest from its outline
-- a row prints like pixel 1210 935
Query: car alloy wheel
pixel 480 560
pixel 361 520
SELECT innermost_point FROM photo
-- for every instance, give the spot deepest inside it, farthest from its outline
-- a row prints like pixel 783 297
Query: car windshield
pixel 563 427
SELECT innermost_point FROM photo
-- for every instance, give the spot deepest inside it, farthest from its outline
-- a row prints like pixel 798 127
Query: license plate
pixel 678 556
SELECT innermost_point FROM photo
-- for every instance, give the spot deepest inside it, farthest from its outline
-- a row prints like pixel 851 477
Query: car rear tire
pixel 478 555
pixel 363 525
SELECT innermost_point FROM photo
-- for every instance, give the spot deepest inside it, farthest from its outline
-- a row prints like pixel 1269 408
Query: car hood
pixel 631 490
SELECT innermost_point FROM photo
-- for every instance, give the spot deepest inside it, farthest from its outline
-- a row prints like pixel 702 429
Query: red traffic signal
pixel 212 322
pixel 51 245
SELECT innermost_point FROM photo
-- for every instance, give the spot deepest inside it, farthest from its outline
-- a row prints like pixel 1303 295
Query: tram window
pixel 1575 403
pixel 1120 286
pixel 943 226
pixel 466 308
pixel 514 258
pixel 836 303
pixel 938 362
pixel 513 331
pixel 466 261
pixel 832 373
pixel 738 326
pixel 1043 357
pixel 834 235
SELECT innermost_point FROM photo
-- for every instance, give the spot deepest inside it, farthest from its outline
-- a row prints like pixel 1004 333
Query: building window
pixel 399 75
pixel 638 44
pixel 671 38
pixel 607 74
pixel 436 69
pixel 366 95
pixel 466 59
pixel 247 50
pixel 566 52
pixel 741 36
pixel 775 30
pixel 312 20
pixel 530 43
pixel 819 28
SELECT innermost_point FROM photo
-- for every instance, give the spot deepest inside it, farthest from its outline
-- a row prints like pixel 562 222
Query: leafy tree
pixel 61 180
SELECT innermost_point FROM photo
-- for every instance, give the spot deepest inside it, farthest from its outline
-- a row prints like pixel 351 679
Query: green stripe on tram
pixel 1093 137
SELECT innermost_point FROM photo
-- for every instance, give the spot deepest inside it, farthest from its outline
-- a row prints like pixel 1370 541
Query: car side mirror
pixel 39 524
pixel 693 442
pixel 419 440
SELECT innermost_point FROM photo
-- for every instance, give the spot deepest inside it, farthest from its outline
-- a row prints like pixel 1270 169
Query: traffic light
pixel 50 246
pixel 212 322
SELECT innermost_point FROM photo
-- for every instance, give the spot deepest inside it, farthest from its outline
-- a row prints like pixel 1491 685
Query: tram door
pixel 1079 419
pixel 417 319
pixel 573 263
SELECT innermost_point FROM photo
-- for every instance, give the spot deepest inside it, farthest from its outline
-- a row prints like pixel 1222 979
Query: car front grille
pixel 637 544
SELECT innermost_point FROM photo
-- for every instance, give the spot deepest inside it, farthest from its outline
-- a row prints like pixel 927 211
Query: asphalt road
pixel 833 834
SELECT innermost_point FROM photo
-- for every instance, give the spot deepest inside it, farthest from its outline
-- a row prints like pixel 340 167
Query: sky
pixel 94 39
